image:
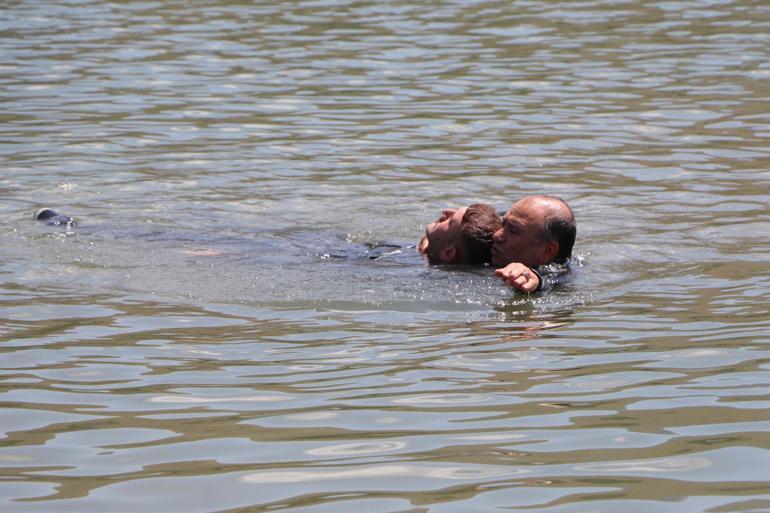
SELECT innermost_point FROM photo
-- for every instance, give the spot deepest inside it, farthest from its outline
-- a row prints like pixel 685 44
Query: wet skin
pixel 443 236
pixel 521 237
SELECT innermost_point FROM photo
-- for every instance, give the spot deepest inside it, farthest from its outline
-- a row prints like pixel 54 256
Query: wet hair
pixel 560 226
pixel 478 225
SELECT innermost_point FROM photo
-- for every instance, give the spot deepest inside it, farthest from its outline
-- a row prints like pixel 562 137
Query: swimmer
pixel 461 236
pixel 536 231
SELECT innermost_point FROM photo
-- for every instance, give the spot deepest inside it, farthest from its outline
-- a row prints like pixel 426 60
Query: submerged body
pixel 314 245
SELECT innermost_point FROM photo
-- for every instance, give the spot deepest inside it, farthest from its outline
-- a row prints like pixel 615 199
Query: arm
pixel 520 277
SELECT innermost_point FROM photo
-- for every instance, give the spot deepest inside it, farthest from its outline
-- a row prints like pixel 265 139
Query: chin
pixel 422 246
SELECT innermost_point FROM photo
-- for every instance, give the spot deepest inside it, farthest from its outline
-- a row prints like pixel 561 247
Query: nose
pixel 448 212
pixel 498 236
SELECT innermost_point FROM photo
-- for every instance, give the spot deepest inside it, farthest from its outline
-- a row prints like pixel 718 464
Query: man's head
pixel 461 236
pixel 536 230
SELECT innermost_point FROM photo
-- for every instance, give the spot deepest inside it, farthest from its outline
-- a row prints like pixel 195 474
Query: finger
pixel 510 279
pixel 508 274
pixel 524 283
pixel 531 284
pixel 520 287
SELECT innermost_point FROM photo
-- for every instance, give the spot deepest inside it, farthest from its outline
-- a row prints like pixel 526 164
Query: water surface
pixel 213 336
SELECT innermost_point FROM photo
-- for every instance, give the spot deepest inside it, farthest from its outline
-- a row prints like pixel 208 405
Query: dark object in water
pixel 50 217
pixel 372 251
pixel 377 251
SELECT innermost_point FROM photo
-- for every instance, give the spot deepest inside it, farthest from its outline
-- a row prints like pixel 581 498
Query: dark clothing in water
pixel 551 275
pixel 50 217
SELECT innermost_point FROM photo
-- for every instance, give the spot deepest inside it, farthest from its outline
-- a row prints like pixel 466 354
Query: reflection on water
pixel 214 336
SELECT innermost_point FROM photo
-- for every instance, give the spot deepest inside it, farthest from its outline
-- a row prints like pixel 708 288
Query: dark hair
pixel 479 223
pixel 560 226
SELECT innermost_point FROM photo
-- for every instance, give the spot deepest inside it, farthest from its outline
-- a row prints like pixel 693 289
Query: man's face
pixel 443 237
pixel 520 238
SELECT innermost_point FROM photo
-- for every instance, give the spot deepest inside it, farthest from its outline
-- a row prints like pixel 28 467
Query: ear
pixel 549 252
pixel 448 254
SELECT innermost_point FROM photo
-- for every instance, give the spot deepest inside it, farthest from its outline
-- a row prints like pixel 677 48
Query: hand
pixel 519 276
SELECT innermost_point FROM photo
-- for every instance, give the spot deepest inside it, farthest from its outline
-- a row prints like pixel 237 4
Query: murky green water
pixel 196 344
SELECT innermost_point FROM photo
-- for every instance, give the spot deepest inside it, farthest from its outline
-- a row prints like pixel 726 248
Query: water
pixel 196 344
